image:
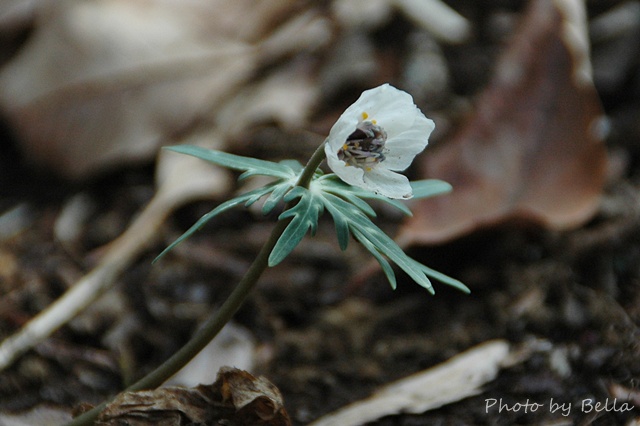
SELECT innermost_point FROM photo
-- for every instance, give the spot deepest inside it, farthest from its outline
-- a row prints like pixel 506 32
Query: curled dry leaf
pixel 533 147
pixel 236 398
pixel 98 84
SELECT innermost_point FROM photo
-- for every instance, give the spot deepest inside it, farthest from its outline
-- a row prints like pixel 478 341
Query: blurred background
pixel 537 112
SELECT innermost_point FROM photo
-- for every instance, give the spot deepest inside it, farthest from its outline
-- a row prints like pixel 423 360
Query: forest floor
pixel 324 326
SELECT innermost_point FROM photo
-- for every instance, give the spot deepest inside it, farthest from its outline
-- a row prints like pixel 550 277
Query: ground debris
pixel 236 398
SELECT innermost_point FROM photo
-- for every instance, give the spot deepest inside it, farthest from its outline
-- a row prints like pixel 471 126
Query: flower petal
pixel 349 174
pixel 402 149
pixel 407 134
pixel 388 183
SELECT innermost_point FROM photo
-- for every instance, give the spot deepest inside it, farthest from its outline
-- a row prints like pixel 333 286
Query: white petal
pixel 341 130
pixel 407 132
pixel 350 118
pixel 349 174
pixel 394 110
pixel 387 183
pixel 402 148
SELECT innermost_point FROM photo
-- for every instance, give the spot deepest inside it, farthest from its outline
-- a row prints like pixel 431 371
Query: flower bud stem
pixel 212 326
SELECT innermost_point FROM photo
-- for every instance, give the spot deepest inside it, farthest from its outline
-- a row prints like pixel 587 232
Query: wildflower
pixel 376 137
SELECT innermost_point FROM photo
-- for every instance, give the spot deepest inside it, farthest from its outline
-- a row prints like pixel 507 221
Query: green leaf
pixel 333 185
pixel 305 217
pixel 359 222
pixel 275 197
pixel 341 223
pixel 386 267
pixel 250 166
pixel 255 194
pixel 293 165
pixel 429 188
pixel 443 278
pixel 353 194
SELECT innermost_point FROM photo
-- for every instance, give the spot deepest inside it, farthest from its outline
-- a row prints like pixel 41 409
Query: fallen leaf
pixel 100 84
pixel 236 398
pixel 456 379
pixel 435 16
pixel 256 401
pixel 532 149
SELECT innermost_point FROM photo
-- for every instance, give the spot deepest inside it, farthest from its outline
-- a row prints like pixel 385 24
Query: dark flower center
pixel 364 147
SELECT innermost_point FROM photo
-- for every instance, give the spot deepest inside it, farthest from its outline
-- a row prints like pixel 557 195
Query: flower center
pixel 364 147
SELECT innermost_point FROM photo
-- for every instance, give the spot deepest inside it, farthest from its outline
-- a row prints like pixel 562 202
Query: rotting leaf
pixel 532 149
pixel 236 398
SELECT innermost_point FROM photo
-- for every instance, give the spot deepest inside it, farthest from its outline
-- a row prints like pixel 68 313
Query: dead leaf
pixel 256 401
pixel 532 149
pixel 99 84
pixel 435 16
pixel 236 398
pixel 458 378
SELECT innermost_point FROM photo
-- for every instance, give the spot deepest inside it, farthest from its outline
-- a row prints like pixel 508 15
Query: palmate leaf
pixel 276 196
pixel 384 264
pixel 246 198
pixel 250 166
pixel 305 217
pixel 421 189
pixel 341 222
pixel 378 243
pixel 285 173
pixel 346 204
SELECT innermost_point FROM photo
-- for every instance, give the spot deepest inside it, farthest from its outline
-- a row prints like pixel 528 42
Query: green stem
pixel 217 321
pixel 312 165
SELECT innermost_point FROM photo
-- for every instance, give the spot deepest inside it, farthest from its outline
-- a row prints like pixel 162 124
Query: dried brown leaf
pixel 255 400
pixel 236 398
pixel 532 149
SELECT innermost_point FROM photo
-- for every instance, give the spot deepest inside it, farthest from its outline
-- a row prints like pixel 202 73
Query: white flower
pixel 376 137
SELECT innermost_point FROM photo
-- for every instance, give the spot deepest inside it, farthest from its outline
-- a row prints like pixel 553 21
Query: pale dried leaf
pixel 102 83
pixel 438 18
pixel 285 97
pixel 435 16
pixel 361 14
pixel 456 379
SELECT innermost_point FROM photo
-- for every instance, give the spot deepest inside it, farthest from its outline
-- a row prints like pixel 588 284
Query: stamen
pixel 365 146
